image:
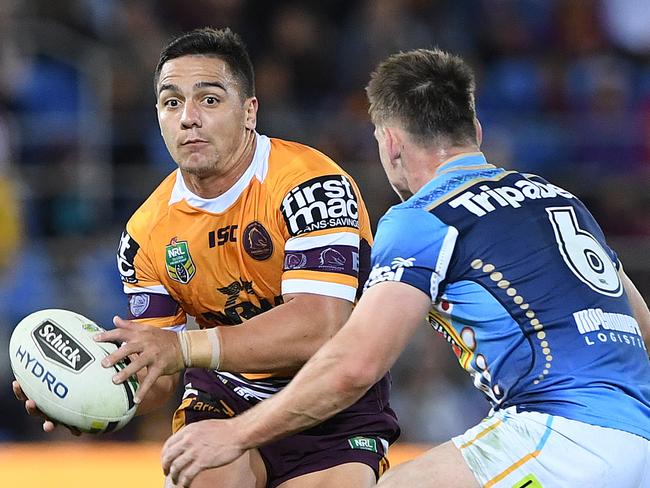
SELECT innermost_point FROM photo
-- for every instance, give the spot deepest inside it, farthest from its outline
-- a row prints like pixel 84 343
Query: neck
pixel 423 163
pixel 226 174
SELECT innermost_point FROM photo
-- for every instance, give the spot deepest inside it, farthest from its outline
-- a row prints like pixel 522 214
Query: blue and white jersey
pixel 525 290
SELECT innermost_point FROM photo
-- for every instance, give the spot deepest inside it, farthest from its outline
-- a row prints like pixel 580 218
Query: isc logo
pixel 321 203
pixel 223 235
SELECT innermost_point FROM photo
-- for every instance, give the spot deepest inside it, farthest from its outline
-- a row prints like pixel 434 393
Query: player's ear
pixel 250 107
pixel 393 143
pixel 479 131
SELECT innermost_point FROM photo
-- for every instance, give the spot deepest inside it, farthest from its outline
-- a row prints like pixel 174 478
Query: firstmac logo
pixel 57 345
pixel 324 202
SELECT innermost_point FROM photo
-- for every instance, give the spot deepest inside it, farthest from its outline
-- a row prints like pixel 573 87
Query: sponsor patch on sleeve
pixel 324 202
pixel 333 259
pixel 126 252
pixel 393 272
pixel 151 305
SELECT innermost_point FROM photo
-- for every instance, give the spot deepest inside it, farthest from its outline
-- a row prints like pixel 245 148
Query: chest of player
pixel 221 268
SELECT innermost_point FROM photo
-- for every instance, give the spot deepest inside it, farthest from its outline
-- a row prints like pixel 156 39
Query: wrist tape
pixel 201 348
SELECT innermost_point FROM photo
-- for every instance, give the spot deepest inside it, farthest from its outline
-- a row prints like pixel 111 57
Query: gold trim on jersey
pixel 463 187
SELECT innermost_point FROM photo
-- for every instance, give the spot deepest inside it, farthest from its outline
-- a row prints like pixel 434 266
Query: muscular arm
pixel 285 337
pixel 280 340
pixel 639 306
pixel 334 378
pixel 343 369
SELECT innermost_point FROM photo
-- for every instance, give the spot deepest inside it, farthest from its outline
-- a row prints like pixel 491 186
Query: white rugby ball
pixel 57 363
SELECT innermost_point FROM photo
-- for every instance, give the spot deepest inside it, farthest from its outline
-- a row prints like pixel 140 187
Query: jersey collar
pixel 463 162
pixel 472 160
pixel 257 169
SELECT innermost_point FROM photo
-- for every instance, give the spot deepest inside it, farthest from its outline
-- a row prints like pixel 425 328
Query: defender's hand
pixel 198 446
pixel 31 408
pixel 148 347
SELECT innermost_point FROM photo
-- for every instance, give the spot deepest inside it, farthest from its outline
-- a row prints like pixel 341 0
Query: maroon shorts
pixel 361 433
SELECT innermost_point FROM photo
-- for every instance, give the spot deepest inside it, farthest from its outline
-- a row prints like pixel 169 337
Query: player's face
pixel 203 118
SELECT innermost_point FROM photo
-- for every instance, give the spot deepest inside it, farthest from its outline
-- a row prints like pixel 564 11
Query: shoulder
pixel 404 221
pixel 291 163
pixel 406 230
pixel 154 208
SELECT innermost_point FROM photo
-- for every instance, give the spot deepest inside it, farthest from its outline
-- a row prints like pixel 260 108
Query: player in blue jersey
pixel 517 276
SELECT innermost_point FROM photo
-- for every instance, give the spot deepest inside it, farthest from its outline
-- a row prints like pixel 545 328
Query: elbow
pixel 354 380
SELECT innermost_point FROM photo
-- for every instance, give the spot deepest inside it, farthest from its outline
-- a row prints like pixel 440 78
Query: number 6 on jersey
pixel 583 254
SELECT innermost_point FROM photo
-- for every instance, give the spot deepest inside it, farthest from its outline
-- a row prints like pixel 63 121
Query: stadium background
pixel 564 90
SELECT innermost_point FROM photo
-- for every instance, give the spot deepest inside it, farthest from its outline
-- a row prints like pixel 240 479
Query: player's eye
pixel 171 103
pixel 210 100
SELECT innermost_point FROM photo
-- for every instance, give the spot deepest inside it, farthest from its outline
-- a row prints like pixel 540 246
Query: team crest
pixel 257 241
pixel 178 261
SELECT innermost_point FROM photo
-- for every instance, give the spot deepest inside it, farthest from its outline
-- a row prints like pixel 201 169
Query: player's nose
pixel 191 115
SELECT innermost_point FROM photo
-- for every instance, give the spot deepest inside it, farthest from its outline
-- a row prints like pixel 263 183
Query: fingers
pixel 119 334
pixel 180 470
pixel 125 350
pixel 18 391
pixel 32 409
pixel 153 373
pixel 120 323
pixel 172 448
pixel 177 459
pixel 135 366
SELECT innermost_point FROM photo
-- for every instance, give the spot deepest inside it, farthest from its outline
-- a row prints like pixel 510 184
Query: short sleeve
pixel 149 301
pixel 412 246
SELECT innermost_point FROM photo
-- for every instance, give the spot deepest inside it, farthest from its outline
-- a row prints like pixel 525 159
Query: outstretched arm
pixel 280 340
pixel 337 375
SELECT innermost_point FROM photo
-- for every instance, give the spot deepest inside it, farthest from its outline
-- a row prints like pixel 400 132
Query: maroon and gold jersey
pixel 293 223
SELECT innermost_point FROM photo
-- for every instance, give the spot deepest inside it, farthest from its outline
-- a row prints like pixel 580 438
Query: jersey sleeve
pixel 412 246
pixel 328 233
pixel 149 300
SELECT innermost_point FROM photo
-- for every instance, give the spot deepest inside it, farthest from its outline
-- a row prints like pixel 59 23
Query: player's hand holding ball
pixel 57 365
pixel 154 352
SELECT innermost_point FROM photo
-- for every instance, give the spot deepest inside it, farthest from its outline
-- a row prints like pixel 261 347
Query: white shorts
pixel 534 450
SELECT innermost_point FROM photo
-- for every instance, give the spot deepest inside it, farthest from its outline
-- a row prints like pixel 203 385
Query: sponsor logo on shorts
pixel 257 241
pixel 58 346
pixel 364 443
pixel 126 252
pixel 178 261
pixel 393 272
pixel 324 202
pixel 529 481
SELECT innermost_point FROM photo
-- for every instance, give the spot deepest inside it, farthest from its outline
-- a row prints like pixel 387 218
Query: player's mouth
pixel 193 142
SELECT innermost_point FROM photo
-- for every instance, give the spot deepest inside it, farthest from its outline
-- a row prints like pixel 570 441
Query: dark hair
pixel 221 43
pixel 429 92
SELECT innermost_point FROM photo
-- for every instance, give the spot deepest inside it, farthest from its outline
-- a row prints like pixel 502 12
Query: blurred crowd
pixel 563 90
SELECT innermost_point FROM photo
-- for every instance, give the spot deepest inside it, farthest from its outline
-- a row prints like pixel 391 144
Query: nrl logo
pixel 178 261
